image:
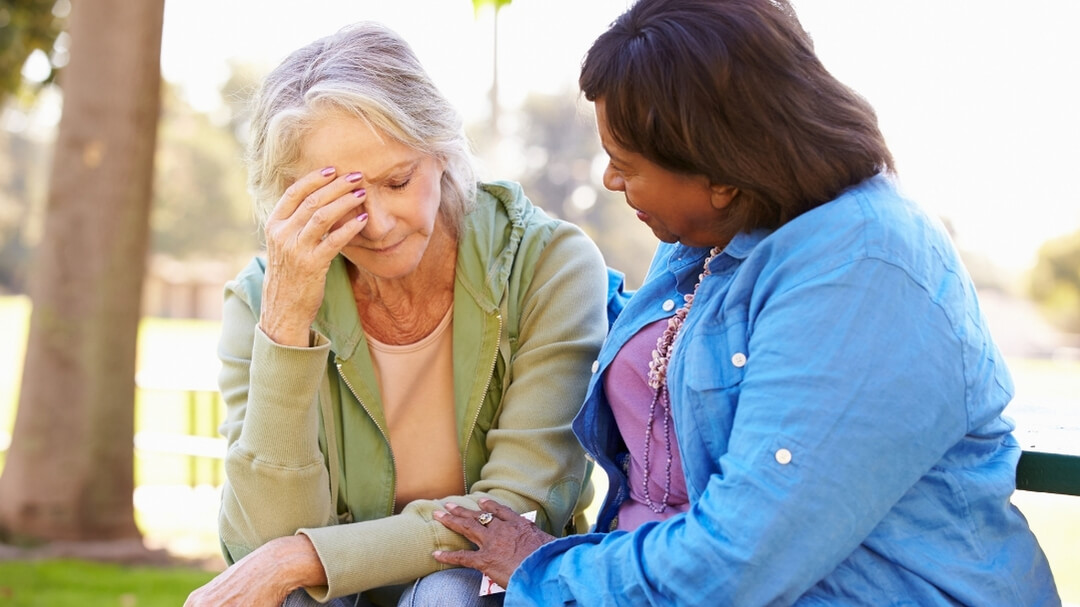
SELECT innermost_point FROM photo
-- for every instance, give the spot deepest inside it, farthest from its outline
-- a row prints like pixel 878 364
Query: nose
pixel 613 180
pixel 379 222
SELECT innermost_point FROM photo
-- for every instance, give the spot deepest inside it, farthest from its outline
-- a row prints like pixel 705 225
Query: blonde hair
pixel 368 71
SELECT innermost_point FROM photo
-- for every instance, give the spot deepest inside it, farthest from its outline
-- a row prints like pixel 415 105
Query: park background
pixel 977 101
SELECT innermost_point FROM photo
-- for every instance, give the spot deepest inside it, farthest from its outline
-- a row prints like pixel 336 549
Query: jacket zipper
pixel 487 386
pixel 348 384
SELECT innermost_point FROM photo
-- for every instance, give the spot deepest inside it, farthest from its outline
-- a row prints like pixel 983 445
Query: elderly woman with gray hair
pixel 412 338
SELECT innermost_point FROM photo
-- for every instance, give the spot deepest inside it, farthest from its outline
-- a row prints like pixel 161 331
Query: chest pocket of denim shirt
pixel 715 359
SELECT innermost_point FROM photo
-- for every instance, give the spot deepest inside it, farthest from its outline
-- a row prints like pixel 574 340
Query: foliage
pixel 498 4
pixel 1055 281
pixel 27 26
pixel 23 173
pixel 236 94
pixel 561 172
pixel 73 583
pixel 201 208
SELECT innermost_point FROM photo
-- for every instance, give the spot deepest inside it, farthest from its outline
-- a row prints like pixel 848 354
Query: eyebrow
pixel 410 163
pixel 614 157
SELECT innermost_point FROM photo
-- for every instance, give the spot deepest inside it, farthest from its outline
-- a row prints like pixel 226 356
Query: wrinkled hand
pixel 501 545
pixel 265 577
pixel 314 219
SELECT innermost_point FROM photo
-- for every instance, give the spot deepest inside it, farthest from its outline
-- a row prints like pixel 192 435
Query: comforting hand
pixel 264 577
pixel 314 219
pixel 502 543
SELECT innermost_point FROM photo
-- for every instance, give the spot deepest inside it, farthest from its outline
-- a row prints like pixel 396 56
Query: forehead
pixel 349 143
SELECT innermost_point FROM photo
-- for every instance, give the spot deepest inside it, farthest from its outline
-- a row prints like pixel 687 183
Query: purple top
pixel 627 387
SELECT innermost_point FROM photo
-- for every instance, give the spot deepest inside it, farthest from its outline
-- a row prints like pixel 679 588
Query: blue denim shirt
pixel 838 403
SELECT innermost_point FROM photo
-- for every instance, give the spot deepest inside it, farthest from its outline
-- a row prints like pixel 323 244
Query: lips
pixel 386 249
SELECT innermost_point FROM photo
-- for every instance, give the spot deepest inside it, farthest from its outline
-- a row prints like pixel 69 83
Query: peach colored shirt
pixel 417 386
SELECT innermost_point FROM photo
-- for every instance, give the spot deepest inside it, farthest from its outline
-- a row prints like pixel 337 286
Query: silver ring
pixel 485 518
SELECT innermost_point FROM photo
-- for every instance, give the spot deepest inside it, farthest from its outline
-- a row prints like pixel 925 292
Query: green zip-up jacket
pixel 529 319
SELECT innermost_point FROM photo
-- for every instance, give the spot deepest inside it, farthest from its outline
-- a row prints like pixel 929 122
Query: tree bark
pixel 69 473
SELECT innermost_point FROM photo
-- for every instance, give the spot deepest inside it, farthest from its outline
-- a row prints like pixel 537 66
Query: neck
pixel 406 309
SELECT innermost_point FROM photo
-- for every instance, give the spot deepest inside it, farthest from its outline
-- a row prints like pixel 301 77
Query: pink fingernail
pixel 328 171
pixel 354 177
pixel 359 193
pixel 361 217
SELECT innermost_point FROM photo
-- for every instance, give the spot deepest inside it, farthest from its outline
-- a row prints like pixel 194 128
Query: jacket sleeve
pixel 535 462
pixel 277 480
pixel 853 389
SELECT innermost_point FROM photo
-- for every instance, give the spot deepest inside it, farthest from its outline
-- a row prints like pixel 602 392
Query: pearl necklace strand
pixel 658 381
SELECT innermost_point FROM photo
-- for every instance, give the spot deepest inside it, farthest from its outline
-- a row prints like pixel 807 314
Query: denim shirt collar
pixel 735 252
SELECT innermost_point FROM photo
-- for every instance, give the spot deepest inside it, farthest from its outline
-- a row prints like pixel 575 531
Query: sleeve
pixel 535 461
pixel 277 480
pixel 852 390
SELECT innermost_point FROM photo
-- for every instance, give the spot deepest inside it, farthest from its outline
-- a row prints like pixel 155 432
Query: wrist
pixel 284 335
pixel 294 561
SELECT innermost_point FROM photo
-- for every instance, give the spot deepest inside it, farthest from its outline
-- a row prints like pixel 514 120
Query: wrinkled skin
pixel 501 545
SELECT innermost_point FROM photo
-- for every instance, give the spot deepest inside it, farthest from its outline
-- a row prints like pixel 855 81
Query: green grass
pixel 72 583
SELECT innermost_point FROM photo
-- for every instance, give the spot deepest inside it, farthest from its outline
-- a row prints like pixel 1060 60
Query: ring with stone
pixel 485 518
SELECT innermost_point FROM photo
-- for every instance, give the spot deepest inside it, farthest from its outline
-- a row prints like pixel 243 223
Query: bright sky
pixel 977 99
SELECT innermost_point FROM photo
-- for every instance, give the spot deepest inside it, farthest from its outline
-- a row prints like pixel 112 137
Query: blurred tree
pixel 1055 282
pixel 201 207
pixel 69 469
pixel 237 94
pixel 562 172
pixel 27 26
pixel 23 174
pixel 497 5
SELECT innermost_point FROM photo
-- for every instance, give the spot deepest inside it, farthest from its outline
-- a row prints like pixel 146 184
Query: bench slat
pixel 1048 473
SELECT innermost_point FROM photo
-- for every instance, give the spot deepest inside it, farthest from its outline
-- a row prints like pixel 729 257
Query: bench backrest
pixel 1048 473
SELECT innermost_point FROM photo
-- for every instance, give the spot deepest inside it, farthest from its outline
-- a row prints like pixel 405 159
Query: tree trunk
pixel 69 473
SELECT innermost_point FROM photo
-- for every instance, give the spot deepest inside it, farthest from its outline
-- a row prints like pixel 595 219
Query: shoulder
pixel 870 222
pixel 505 221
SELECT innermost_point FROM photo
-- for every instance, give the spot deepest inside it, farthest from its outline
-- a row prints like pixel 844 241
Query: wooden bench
pixel 1048 473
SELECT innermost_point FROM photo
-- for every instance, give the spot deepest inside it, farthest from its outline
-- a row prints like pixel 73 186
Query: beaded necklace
pixel 658 382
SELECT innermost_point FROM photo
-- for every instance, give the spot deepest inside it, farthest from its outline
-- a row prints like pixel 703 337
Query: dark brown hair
pixel 732 90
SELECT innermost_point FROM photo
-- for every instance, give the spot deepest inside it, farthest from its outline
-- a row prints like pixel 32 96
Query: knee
pixel 449 587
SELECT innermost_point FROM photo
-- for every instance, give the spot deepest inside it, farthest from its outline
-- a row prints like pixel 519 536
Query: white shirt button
pixel 783 457
pixel 595 366
pixel 668 305
pixel 738 359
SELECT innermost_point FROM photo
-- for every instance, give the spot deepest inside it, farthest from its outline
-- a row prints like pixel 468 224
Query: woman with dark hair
pixel 803 403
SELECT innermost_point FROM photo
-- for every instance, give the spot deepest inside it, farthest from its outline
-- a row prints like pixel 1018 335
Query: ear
pixel 722 195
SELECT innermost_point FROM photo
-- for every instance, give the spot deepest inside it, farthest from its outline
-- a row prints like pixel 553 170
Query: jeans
pixel 449 588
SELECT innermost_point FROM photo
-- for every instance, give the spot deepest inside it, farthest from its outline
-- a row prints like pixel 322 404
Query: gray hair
pixel 368 71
